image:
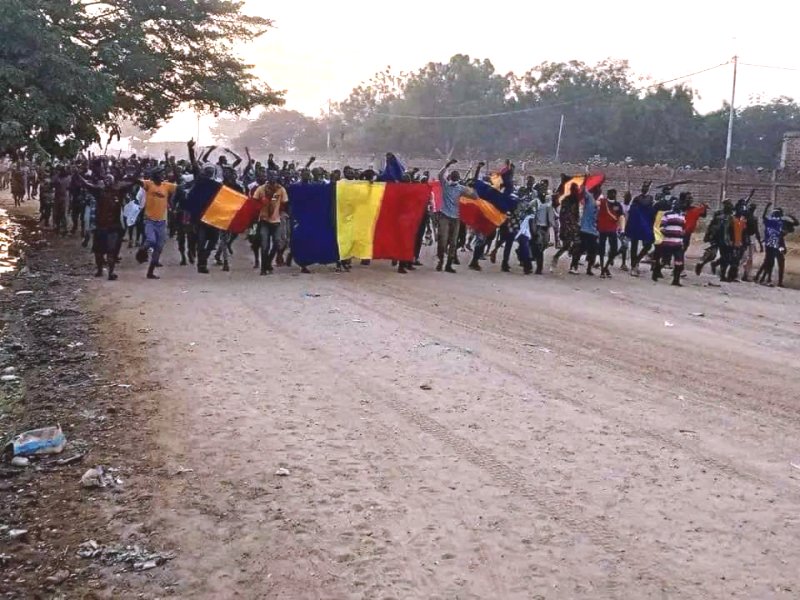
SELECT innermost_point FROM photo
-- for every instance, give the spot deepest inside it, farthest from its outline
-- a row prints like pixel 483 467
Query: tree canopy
pixel 607 110
pixel 71 67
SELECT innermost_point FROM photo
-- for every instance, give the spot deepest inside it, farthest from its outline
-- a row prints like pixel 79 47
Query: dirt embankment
pixel 62 370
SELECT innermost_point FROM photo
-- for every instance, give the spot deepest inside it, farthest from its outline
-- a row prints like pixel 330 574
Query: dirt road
pixel 469 436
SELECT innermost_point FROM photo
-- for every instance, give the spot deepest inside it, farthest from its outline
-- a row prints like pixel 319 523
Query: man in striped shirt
pixel 673 228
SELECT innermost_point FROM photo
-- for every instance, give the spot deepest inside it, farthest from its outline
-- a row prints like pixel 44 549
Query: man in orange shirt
pixel 157 201
pixel 273 198
pixel 738 228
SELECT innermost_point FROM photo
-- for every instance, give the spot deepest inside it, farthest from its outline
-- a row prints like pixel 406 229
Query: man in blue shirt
pixel 588 234
pixel 449 222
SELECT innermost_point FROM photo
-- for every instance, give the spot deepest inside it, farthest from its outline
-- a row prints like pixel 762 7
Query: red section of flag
pixel 245 216
pixel 593 180
pixel 402 209
pixel 480 215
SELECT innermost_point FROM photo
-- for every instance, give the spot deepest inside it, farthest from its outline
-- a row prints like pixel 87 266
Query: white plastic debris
pixel 48 440
pixel 47 312
pixel 24 293
pixel 668 324
pixel 20 461
pixel 99 477
pixel 15 534
pixel 8 378
pixel 282 472
pixel 140 559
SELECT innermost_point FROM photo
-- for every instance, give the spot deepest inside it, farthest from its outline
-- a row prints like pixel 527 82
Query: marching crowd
pixel 107 199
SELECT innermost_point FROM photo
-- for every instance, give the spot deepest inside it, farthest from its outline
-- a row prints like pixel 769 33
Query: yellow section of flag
pixel 357 206
pixel 223 208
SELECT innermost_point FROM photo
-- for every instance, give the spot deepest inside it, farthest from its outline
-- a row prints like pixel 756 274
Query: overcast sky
pixel 321 50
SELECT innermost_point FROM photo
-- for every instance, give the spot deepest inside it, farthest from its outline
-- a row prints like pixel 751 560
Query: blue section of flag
pixel 503 201
pixel 313 207
pixel 200 196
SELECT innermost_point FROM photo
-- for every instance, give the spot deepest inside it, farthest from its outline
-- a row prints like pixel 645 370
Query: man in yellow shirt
pixel 157 200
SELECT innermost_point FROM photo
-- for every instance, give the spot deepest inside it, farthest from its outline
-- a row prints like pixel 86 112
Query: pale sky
pixel 320 50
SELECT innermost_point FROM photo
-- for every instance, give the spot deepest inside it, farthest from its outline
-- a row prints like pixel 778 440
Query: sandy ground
pixel 479 435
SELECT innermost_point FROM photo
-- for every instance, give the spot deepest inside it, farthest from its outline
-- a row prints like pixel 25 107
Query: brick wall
pixel 790 154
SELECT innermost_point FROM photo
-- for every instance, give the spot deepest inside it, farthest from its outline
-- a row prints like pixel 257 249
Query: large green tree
pixel 69 68
pixel 283 131
pixel 758 132
pixel 607 111
pixel 460 88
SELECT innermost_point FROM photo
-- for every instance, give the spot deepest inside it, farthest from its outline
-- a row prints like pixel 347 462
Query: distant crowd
pixel 105 200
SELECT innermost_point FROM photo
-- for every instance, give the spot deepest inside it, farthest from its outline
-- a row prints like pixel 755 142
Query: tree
pixel 593 100
pixel 283 131
pixel 227 129
pixel 661 127
pixel 389 108
pixel 758 131
pixel 50 87
pixel 116 59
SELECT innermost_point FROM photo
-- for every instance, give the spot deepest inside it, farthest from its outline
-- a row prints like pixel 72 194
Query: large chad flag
pixel 356 219
pixel 221 207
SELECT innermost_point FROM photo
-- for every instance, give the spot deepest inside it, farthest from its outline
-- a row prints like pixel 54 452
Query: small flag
pixel 495 200
pixel 585 182
pixel 221 207
pixel 481 215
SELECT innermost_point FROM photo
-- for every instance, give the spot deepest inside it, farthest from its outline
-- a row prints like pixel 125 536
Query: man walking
pixel 449 222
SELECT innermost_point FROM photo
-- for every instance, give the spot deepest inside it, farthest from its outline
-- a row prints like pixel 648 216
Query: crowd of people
pixel 106 199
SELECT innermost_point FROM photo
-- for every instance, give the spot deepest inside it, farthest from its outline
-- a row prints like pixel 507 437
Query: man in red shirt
pixel 694 213
pixel 608 220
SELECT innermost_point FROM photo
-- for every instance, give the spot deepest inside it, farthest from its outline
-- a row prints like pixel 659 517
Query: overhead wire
pixel 769 67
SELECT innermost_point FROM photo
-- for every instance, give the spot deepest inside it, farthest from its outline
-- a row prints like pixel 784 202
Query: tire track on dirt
pixel 618 550
pixel 717 463
pixel 549 335
pixel 771 388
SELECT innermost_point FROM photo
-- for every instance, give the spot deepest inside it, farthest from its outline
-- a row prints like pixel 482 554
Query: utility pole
pixel 730 129
pixel 560 131
pixel 328 143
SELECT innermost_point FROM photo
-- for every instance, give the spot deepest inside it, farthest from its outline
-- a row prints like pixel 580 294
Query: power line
pixel 770 67
pixel 535 108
